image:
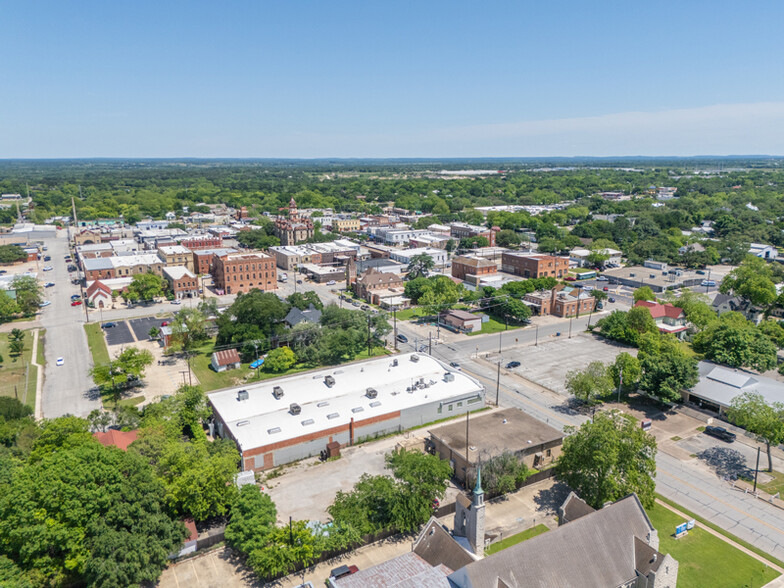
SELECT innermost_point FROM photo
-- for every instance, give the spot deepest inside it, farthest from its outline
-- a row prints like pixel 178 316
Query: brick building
pixel 182 282
pixel 293 229
pixel 464 266
pixel 241 272
pixel 464 231
pixel 203 259
pixel 198 242
pixel 122 265
pixel 373 280
pixel 174 255
pixel 530 265
pixel 562 301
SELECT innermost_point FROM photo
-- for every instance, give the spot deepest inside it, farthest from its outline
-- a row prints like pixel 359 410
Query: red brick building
pixel 182 281
pixel 293 229
pixel 241 272
pixel 463 231
pixel 530 265
pixel 203 242
pixel 464 266
pixel 204 259
pixel 373 280
pixel 562 301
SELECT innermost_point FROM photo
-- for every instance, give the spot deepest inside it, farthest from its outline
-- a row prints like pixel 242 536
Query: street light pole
pixel 620 383
pixel 756 471
pixel 570 327
pixel 498 382
pixel 536 342
pixel 394 315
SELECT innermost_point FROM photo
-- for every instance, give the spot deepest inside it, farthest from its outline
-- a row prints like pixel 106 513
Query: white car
pixel 44 303
pixel 176 301
pixel 331 283
pixel 587 288
pixel 602 279
pixel 48 268
pixel 60 361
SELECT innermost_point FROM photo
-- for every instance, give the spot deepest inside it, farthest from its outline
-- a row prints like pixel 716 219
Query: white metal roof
pixel 261 419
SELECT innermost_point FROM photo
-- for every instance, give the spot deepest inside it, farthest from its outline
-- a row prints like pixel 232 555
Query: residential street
pixel 65 387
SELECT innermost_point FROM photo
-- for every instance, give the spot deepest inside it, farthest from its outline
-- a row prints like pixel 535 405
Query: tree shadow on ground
pixel 241 570
pixel 572 407
pixel 726 462
pixel 549 499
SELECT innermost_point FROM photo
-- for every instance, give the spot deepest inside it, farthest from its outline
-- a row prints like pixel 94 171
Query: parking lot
pixel 141 326
pixel 119 334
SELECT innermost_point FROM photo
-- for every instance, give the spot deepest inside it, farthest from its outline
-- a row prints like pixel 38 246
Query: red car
pixel 76 303
pixel 606 289
pixel 570 278
pixel 165 324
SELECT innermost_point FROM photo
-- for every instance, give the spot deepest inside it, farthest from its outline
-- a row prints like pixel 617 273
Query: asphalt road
pixel 695 488
pixel 66 388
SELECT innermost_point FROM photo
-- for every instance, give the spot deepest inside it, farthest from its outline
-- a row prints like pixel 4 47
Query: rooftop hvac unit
pixel 394 363
pixel 449 377
pixel 371 392
pixel 329 381
pixel 242 395
pixel 277 392
pixel 414 358
pixel 295 408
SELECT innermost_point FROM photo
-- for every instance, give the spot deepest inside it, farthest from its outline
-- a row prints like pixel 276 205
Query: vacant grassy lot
pixel 495 326
pixel 13 370
pixel 706 560
pixel 775 485
pixel 515 539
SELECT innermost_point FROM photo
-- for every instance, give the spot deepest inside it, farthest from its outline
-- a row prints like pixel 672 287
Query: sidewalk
pixel 39 382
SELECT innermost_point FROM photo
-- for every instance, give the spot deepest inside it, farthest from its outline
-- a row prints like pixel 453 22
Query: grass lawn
pixel 97 343
pixel 705 560
pixel 775 485
pixel 209 378
pixel 13 370
pixel 409 313
pixel 494 326
pixel 515 539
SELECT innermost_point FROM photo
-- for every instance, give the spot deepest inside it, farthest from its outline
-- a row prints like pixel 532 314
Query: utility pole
pixel 620 383
pixel 536 343
pixel 498 383
pixel 368 334
pixel 500 333
pixel 468 455
pixel 430 343
pixel 756 471
pixel 394 317
pixel 570 327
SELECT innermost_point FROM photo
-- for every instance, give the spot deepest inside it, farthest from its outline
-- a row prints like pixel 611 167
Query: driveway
pixel 66 389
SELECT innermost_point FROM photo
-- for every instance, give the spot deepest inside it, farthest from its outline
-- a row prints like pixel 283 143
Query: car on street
pixel 402 338
pixel 331 283
pixel 47 258
pixel 165 324
pixel 75 297
pixel 355 303
pixel 44 303
pixel 299 281
pixel 512 364
pixel 720 433
pixel 611 299
pixel 48 268
pixel 602 279
pixel 570 278
pixel 76 302
pixel 60 361
pixel 364 307
pixel 606 289
pixel 709 283
pixel 176 301
pixel 454 364
pixel 587 288
pixel 108 325
pixel 49 284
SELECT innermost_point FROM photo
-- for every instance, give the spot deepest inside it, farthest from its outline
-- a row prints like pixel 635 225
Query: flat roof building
pixel 286 419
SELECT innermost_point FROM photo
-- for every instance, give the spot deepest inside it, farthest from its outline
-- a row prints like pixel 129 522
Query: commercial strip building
pixel 528 265
pixel 489 435
pixel 242 272
pixel 204 259
pixel 718 385
pixel 289 257
pixel 122 265
pixel 406 255
pixel 658 276
pixel 286 419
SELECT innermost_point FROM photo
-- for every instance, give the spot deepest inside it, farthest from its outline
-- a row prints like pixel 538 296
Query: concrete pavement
pixel 66 388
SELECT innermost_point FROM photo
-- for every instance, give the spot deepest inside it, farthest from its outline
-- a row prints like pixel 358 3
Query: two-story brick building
pixel 122 266
pixel 373 280
pixel 203 259
pixel 465 267
pixel 562 301
pixel 241 272
pixel 197 242
pixel 182 282
pixel 534 265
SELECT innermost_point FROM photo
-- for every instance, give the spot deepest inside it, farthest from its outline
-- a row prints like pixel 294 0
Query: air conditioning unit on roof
pixel 277 392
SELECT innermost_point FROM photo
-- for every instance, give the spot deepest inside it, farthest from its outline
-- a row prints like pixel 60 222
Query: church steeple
pixel 479 494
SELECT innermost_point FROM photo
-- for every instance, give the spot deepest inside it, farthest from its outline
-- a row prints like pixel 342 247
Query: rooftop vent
pixel 333 415
pixel 357 409
pixel 329 381
pixel 277 392
pixel 375 404
pixel 242 395
pixel 307 422
pixel 322 404
pixel 371 392
pixel 273 430
pixel 394 363
pixel 243 423
pixel 449 377
pixel 415 358
pixel 295 408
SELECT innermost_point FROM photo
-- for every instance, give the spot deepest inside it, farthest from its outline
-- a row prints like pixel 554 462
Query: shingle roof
pixel 437 547
pixel 661 310
pixel 121 439
pixel 406 571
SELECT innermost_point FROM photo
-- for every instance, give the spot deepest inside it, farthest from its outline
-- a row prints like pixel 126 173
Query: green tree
pixel 774 331
pixel 750 411
pixel 422 478
pixel 17 346
pixel 628 366
pixel 8 307
pixel 608 458
pixel 644 293
pixel 145 287
pixel 252 517
pixel 28 294
pixel 188 329
pixel 590 384
pixel 12 254
pixel 507 238
pixel 639 320
pixel 303 300
pixel 664 376
pixel 280 360
pixel 126 368
pixel 419 266
pixel 736 345
pixel 255 315
pixel 752 280
pixel 696 308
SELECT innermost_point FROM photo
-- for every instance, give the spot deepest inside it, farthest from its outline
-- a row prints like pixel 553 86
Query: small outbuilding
pixel 228 359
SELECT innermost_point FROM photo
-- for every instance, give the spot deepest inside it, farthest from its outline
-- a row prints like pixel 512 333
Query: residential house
pixel 669 318
pixel 764 251
pixel 228 359
pixel 297 316
pixel 115 438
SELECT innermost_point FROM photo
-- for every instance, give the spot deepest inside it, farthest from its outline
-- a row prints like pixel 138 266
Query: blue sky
pixel 390 79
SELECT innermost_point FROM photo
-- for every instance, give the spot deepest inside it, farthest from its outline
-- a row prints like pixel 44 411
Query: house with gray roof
pixel 719 384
